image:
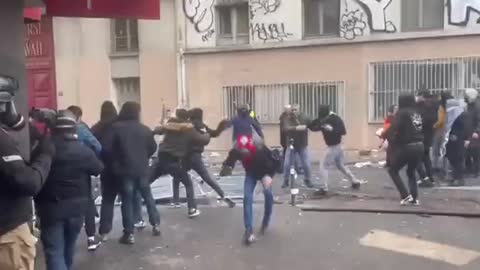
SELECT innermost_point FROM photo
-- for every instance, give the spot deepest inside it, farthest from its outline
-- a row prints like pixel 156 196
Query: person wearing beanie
pixel 63 201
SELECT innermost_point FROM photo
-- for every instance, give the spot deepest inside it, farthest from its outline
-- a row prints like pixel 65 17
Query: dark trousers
pixel 456 158
pixel 129 200
pixel 425 167
pixel 90 227
pixel 409 155
pixel 58 240
pixel 195 162
pixel 472 159
pixel 168 164
pixel 110 190
pixel 233 156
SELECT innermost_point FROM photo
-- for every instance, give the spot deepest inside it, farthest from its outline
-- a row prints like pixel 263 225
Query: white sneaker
pixel 193 213
pixel 407 201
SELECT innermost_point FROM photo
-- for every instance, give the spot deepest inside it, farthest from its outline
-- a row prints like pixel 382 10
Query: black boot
pixel 127 239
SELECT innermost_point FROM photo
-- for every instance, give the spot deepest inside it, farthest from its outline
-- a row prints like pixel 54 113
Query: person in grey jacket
pixel 295 127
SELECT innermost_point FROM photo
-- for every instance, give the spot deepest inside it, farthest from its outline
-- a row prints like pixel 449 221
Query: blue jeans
pixel 58 239
pixel 304 158
pixel 249 187
pixel 130 202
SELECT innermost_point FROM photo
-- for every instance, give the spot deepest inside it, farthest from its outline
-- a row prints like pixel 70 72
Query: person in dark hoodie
pixel 194 158
pixel 63 201
pixel 86 137
pixel 333 129
pixel 459 133
pixel 243 124
pixel 427 106
pixel 473 114
pixel 406 140
pixel 110 185
pixel 130 144
pixel 180 137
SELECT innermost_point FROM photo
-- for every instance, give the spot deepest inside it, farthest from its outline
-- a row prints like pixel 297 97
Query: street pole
pixel 12 58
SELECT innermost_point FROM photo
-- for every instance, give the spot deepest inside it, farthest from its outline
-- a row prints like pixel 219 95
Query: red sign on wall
pixel 140 9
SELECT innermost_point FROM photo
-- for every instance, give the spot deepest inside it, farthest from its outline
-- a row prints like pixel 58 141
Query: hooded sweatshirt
pixel 473 109
pixel 407 124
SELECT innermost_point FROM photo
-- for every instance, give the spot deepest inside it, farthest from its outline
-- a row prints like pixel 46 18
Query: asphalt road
pixel 300 240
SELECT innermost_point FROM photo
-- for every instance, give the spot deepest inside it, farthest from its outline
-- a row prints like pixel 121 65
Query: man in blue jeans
pixel 295 127
pixel 260 166
pixel 130 144
pixel 63 201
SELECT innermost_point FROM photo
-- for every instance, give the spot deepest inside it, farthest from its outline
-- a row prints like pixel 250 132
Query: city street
pixel 305 240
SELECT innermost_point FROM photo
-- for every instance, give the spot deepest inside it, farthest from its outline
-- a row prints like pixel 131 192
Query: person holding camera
pixel 20 181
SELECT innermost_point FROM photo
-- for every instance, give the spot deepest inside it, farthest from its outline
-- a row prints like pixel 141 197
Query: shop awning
pixel 32 14
pixel 140 9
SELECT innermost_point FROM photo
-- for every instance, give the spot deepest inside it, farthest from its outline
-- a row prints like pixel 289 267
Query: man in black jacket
pixel 194 158
pixel 406 140
pixel 333 129
pixel 63 201
pixel 179 138
pixel 427 106
pixel 130 144
pixel 20 181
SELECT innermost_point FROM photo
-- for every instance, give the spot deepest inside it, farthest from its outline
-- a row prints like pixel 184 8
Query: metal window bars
pixel 268 100
pixel 387 80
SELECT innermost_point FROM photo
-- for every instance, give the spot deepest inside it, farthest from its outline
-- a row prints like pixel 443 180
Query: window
pixel 269 100
pixel 390 79
pixel 232 24
pixel 321 17
pixel 422 15
pixel 127 89
pixel 125 35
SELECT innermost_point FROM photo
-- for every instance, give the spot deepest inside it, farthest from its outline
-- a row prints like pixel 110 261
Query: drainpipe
pixel 181 41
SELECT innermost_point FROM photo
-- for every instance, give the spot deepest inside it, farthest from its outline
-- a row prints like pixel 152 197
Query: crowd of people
pixel 426 127
pixel 125 154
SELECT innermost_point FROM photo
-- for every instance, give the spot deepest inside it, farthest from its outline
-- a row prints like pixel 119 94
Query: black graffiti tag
pixel 269 31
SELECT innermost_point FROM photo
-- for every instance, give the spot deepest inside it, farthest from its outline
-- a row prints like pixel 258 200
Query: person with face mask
pixel 406 140
pixel 473 114
pixel 333 129
pixel 21 180
pixel 243 124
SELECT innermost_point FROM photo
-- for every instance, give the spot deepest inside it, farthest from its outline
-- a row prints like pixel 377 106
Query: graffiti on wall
pixel 264 6
pixel 269 31
pixel 377 16
pixel 459 11
pixel 352 24
pixel 201 14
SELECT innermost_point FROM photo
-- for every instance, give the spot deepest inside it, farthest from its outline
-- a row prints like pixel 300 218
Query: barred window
pixel 268 100
pixel 390 79
pixel 127 89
